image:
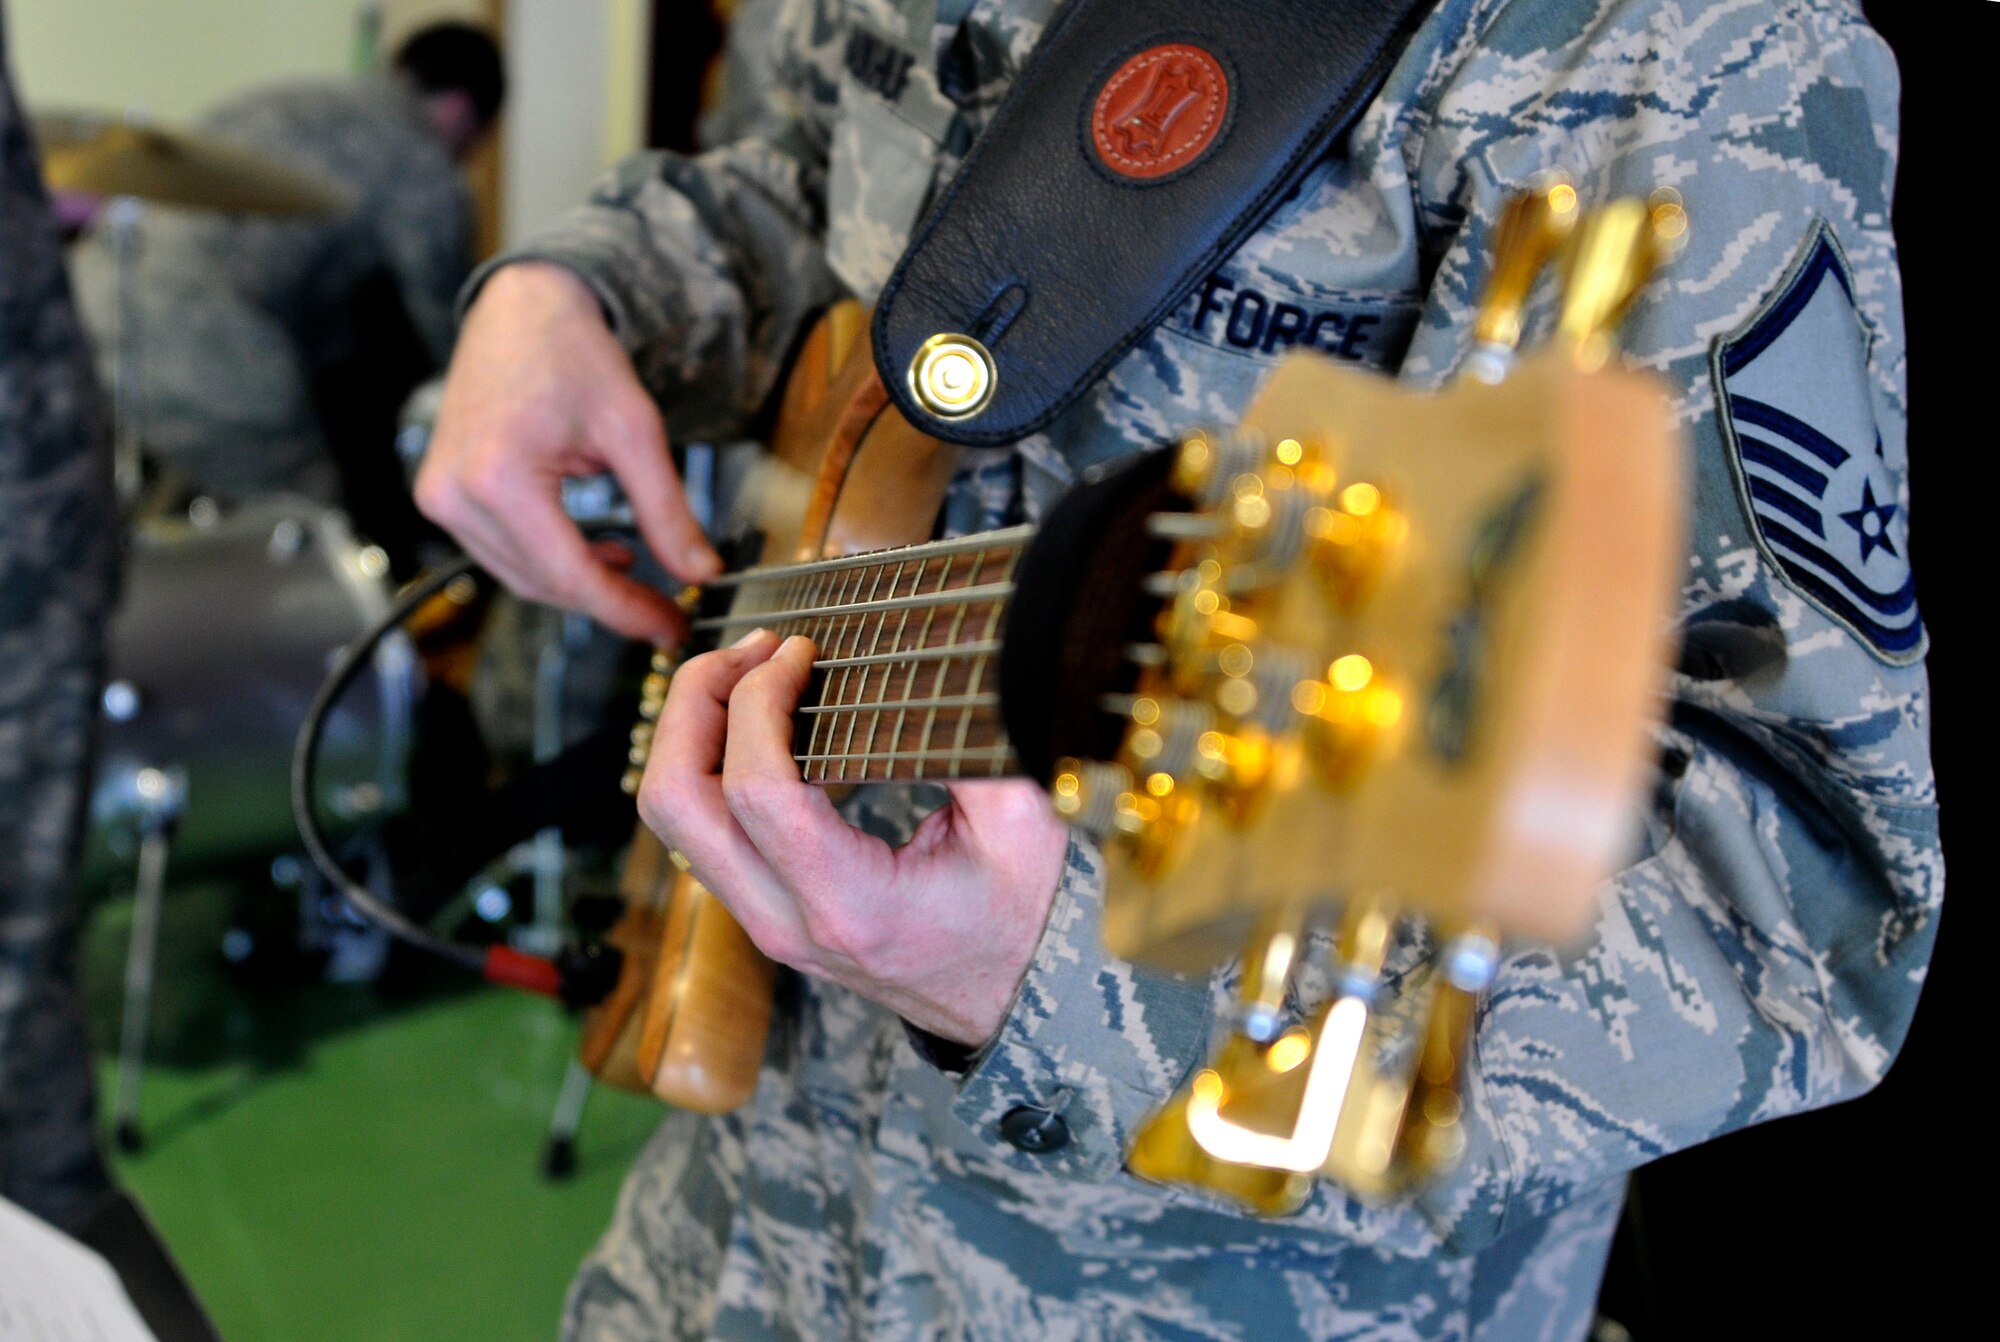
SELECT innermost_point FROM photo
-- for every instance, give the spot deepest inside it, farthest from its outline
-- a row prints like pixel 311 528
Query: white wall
pixel 576 101
pixel 172 58
pixel 555 117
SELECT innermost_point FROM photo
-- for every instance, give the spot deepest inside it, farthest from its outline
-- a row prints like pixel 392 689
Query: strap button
pixel 952 376
pixel 1035 1131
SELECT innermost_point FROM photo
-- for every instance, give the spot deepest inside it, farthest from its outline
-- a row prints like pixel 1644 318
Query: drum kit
pixel 228 619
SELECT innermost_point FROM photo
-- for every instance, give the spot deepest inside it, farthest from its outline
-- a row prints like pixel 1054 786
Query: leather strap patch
pixel 1145 140
pixel 1160 111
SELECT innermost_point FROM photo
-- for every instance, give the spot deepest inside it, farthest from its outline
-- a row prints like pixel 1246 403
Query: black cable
pixel 305 760
pixel 579 976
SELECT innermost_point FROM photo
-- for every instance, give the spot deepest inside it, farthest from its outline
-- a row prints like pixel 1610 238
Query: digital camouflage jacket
pixel 1760 955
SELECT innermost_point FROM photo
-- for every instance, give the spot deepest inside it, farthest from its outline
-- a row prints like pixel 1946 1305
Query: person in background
pixel 58 565
pixel 259 335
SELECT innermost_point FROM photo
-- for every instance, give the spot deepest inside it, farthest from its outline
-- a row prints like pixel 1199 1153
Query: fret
pixel 944 666
pixel 923 639
pixel 874 649
pixel 854 646
pixel 902 639
pixel 813 595
pixel 848 629
pixel 979 665
pixel 836 581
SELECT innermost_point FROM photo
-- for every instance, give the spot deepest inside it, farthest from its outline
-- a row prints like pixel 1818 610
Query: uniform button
pixel 1036 1131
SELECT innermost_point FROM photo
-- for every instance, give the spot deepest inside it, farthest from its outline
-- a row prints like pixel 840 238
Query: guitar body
pixel 844 474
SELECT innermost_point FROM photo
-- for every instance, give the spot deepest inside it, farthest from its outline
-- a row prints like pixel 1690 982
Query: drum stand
pixel 160 795
pixel 127 390
pixel 544 935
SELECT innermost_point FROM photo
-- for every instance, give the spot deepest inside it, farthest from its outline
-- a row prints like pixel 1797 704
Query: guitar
pixel 1372 655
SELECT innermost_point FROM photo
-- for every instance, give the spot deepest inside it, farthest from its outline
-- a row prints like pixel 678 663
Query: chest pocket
pixel 882 159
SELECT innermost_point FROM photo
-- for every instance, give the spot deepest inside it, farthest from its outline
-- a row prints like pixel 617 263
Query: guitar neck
pixel 906 685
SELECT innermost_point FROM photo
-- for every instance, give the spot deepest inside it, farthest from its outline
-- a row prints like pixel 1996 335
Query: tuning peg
pixel 1355 536
pixel 1286 1112
pixel 642 744
pixel 1617 249
pixel 1351 717
pixel 1206 464
pixel 1257 749
pixel 1411 1126
pixel 1085 793
pixel 1154 811
pixel 1166 1150
pixel 1532 226
pixel 1198 621
pixel 652 699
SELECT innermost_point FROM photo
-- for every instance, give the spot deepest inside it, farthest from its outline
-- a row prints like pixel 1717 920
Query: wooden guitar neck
pixel 906 683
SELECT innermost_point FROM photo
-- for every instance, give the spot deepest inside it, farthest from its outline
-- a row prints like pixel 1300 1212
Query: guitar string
pixel 823 599
pixel 847 697
pixel 716 623
pixel 1006 538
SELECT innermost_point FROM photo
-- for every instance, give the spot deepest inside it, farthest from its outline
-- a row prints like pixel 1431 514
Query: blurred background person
pixel 273 353
pixel 58 547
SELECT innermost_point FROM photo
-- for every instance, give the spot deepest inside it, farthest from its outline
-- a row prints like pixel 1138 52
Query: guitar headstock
pixel 1406 642
pixel 1403 656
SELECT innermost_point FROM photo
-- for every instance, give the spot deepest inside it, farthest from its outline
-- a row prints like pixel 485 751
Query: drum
pixel 227 627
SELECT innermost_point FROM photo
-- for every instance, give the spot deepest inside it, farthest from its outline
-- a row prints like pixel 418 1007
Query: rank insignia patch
pixel 1793 386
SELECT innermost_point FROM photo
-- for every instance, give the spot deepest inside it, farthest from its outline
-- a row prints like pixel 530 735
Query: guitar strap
pixel 1145 140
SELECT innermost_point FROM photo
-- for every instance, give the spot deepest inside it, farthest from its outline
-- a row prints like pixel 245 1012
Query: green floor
pixel 340 1163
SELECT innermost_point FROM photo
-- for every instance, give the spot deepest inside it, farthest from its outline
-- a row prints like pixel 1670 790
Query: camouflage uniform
pixel 58 547
pixel 1762 953
pixel 238 313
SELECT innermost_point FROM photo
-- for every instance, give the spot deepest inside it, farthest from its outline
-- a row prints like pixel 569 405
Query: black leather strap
pixel 1059 263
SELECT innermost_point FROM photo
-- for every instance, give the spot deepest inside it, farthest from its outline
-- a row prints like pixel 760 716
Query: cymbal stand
pixel 160 796
pixel 127 367
pixel 549 862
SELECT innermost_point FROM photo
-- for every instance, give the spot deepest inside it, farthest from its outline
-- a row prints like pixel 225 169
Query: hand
pixel 940 931
pixel 539 389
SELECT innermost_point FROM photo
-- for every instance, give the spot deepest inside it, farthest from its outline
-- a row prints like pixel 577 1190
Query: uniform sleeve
pixel 1093 1041
pixel 708 266
pixel 1764 954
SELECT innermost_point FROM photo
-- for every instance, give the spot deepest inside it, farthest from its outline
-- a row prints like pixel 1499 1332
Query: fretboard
pixel 906 682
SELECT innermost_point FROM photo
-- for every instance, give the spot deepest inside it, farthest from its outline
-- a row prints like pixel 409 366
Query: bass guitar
pixel 1371 655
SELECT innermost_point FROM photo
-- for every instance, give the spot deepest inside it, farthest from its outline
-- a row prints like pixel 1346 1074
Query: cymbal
pixel 109 157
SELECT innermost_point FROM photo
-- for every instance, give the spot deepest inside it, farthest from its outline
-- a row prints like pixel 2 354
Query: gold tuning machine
pixel 1155 816
pixel 1407 1126
pixel 1166 1150
pixel 1351 718
pixel 1532 226
pixel 1617 249
pixel 1277 1107
pixel 1198 625
pixel 1354 537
